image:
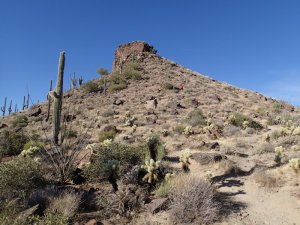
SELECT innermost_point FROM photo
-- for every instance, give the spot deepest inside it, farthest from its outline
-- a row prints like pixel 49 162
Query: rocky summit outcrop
pixel 132 51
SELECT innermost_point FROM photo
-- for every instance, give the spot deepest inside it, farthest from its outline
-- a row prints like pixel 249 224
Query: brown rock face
pixel 132 51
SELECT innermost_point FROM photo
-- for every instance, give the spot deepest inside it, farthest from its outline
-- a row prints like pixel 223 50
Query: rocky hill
pixel 230 132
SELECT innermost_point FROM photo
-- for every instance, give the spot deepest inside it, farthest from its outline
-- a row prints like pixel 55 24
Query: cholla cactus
pixel 188 130
pixel 209 175
pixel 152 169
pixel 245 124
pixel 165 132
pixel 296 131
pixel 289 123
pixel 134 128
pixel 295 148
pixel 185 159
pixel 267 137
pixel 107 142
pixel 30 151
pixel 208 121
pixel 285 131
pixel 169 176
pixel 128 119
pixel 279 151
pixel 295 164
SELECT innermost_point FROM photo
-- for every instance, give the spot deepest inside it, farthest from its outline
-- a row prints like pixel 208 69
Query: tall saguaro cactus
pixel 58 95
pixel 10 108
pixel 3 108
pixel 49 101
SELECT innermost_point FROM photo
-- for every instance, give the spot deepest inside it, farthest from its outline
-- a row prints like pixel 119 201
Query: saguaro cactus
pixel 49 101
pixel 3 108
pixel 58 95
pixel 16 108
pixel 80 81
pixel 10 108
pixel 24 104
pixel 73 82
pixel 27 103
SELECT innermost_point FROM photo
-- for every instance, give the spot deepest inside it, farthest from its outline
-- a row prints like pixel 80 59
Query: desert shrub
pixel 193 201
pixel 275 134
pixel 108 113
pixel 20 121
pixel 168 86
pixel 66 204
pixel 104 135
pixel 9 213
pixel 265 179
pixel 124 156
pixel 163 189
pixel 179 129
pixel 132 71
pixel 238 120
pixel 102 71
pixel 50 219
pixel 231 130
pixel 116 82
pixel 91 87
pixel 32 147
pixel 196 118
pixel 156 150
pixel 69 133
pixel 277 107
pixel 11 143
pixel 19 176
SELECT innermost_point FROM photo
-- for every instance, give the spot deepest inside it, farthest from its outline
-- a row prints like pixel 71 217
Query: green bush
pixel 124 156
pixel 163 189
pixel 117 87
pixel 20 121
pixel 168 86
pixel 19 177
pixel 155 148
pixel 132 71
pixel 104 135
pixel 196 118
pixel 50 219
pixel 70 134
pixel 240 118
pixel 91 87
pixel 12 143
pixel 179 129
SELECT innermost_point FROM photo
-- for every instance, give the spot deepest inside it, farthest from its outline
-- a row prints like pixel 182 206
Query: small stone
pixel 92 222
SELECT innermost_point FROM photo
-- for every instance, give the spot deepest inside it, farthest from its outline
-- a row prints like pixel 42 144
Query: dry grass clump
pixel 229 167
pixel 267 180
pixel 66 204
pixel 192 201
pixel 196 118
pixel 231 130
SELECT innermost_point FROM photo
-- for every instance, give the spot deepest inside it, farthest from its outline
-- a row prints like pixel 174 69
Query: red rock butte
pixel 132 51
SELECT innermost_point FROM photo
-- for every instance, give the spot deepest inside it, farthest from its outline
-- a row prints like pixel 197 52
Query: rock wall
pixel 131 52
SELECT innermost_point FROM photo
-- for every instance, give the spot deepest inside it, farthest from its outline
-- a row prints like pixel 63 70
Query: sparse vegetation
pixel 11 143
pixel 18 177
pixel 105 135
pixel 196 118
pixel 193 201
pixel 91 87
pixel 20 121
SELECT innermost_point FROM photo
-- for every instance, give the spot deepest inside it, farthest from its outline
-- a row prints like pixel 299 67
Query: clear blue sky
pixel 253 44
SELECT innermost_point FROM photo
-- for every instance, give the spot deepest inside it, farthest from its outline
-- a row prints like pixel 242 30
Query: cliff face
pixel 131 51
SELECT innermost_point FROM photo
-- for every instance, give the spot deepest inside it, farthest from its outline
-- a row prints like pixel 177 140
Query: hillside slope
pixel 167 99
